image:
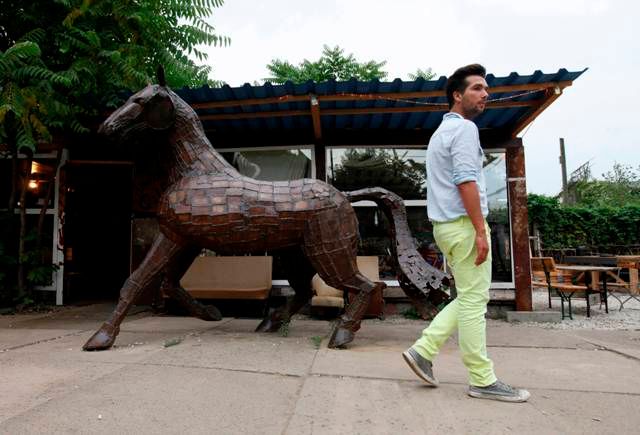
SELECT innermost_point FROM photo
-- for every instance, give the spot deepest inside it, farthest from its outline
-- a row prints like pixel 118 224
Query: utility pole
pixel 563 165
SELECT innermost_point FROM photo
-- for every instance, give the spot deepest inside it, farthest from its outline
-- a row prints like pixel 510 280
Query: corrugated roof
pixel 388 105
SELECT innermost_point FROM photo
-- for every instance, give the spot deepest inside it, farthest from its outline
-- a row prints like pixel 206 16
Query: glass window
pixel 495 171
pixel 403 171
pixel 399 170
pixel 41 173
pixel 374 237
pixel 272 165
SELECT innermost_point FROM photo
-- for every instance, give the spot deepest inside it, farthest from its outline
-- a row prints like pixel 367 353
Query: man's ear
pixel 160 113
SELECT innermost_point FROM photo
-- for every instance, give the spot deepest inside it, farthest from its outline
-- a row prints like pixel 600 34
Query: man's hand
pixel 482 246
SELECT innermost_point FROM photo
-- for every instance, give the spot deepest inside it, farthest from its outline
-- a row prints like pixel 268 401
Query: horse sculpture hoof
pixel 269 325
pixel 101 340
pixel 210 314
pixel 340 338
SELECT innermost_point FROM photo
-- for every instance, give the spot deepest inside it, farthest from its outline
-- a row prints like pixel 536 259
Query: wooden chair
pixel 559 281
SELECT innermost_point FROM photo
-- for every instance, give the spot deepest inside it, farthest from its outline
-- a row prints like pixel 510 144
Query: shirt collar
pixel 450 115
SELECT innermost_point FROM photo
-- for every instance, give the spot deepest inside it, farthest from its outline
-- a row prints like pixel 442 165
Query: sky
pixel 596 116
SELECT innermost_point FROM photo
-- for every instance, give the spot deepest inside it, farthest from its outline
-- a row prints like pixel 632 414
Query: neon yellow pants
pixel 456 240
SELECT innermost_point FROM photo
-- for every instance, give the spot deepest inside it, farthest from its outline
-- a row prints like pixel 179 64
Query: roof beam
pixel 242 138
pixel 551 96
pixel 358 111
pixel 378 96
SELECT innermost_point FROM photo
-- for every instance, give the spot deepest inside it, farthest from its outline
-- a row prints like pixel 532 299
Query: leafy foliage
pixel 64 62
pixel 332 65
pixel 425 74
pixel 563 227
pixel 620 186
pixel 28 106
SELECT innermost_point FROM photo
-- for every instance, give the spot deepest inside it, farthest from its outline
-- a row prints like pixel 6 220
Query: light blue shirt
pixel 454 156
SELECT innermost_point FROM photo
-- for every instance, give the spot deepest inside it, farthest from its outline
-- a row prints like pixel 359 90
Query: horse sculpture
pixel 209 204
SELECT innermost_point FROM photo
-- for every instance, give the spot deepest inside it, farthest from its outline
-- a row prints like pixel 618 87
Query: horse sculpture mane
pixel 209 204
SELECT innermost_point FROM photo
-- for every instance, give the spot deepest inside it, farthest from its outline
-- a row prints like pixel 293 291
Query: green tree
pixel 63 62
pixel 620 186
pixel 332 65
pixel 426 74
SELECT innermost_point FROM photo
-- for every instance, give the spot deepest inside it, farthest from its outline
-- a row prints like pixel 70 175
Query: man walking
pixel 457 207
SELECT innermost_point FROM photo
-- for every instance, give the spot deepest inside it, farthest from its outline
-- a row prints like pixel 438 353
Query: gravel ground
pixel 627 319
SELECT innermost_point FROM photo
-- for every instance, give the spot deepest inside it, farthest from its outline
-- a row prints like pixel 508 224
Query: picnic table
pixel 595 272
pixel 629 262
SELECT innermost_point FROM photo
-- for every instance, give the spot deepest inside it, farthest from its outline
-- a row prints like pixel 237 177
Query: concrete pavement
pixel 221 377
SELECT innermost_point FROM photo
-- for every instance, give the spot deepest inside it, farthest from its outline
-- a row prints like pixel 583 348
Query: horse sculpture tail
pixel 420 281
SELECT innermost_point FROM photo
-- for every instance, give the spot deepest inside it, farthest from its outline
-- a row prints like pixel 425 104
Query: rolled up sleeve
pixel 465 154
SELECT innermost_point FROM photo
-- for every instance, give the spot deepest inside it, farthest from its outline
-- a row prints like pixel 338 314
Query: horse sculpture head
pixel 152 108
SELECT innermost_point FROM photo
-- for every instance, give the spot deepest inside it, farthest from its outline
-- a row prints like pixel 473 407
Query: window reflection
pixel 495 172
pixel 403 171
pixel 272 165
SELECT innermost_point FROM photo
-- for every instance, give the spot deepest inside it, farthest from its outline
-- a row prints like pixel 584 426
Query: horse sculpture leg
pixel 330 244
pixel 171 285
pixel 163 253
pixel 299 272
pixel 349 323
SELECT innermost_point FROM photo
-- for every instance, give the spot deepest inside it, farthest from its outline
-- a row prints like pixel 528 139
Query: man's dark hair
pixel 457 82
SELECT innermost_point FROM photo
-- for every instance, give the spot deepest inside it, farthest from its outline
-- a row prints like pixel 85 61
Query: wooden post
pixel 519 226
pixel 563 166
pixel 319 148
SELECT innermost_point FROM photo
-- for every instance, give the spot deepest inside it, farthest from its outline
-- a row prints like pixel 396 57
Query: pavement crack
pixel 191 366
pixel 510 346
pixel 299 390
pixel 602 346
pixel 46 340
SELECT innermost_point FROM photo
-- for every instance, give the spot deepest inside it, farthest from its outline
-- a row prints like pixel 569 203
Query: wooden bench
pixel 242 277
pixel 560 282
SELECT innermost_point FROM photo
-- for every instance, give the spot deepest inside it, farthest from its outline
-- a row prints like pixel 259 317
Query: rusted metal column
pixel 519 224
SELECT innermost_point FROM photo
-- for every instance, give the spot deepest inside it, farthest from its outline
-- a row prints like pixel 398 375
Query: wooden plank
pixel 315 117
pixel 359 111
pixel 99 162
pixel 228 138
pixel 535 111
pixel 255 115
pixel 375 96
pixel 633 281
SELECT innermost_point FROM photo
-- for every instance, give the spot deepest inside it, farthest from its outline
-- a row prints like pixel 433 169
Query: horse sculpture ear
pixel 161 78
pixel 160 111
